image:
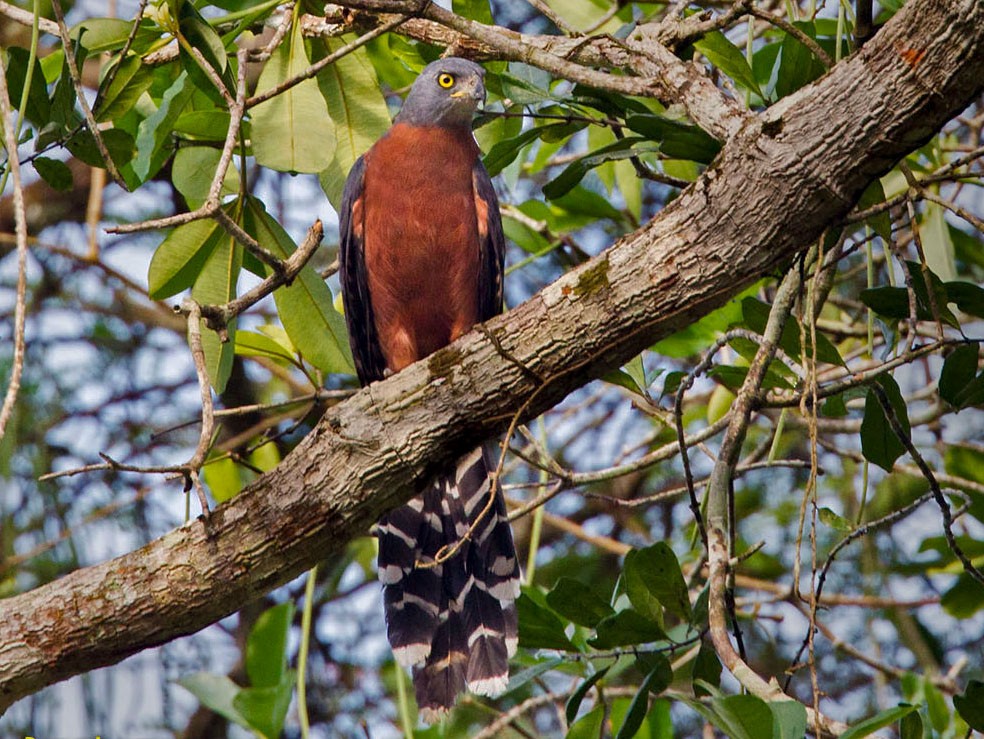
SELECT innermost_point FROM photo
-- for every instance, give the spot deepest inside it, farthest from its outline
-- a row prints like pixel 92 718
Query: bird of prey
pixel 421 262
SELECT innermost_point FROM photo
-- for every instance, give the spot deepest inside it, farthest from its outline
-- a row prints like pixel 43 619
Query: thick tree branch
pixel 780 180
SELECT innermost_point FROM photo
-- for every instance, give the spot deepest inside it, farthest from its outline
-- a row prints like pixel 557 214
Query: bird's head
pixel 447 93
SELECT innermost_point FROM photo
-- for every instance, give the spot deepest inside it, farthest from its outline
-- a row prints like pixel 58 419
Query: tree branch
pixel 777 183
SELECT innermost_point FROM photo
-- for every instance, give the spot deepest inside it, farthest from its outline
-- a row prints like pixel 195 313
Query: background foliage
pixel 230 127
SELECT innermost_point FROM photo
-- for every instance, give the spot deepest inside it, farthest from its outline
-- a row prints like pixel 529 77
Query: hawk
pixel 421 262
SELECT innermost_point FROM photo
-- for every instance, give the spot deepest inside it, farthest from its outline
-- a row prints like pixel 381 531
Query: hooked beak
pixel 474 89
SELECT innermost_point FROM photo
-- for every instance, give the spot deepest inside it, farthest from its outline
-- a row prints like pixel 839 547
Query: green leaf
pixel 734 377
pixel 958 375
pixel 216 692
pixel 589 726
pixel 636 370
pixel 305 307
pixel 38 108
pixel 756 315
pixel 873 195
pixel 526 85
pixel 133 78
pixel 101 34
pixel 502 154
pixel 968 297
pixel 970 705
pixel 936 243
pixel 491 129
pixel 626 627
pixel 707 668
pixel 193 169
pixel 539 627
pixel 790 719
pixel 577 602
pixel 55 172
pixel 236 6
pixel 292 132
pixel 574 702
pixel 936 708
pixel 476 10
pixel 223 478
pixel 878 721
pixel 63 99
pixel 738 716
pixel 655 682
pixel 586 14
pixel 695 338
pixel 265 708
pixel 205 125
pixel 834 521
pixel 893 302
pixel 966 249
pixel 357 108
pixel 196 32
pixel 531 673
pixel 911 727
pixel 587 206
pixel 118 143
pixel 251 344
pixel 921 289
pixel 110 34
pixel 797 65
pixel 266 646
pixel 215 285
pixel 154 140
pixel 266 456
pixel 660 720
pixel 834 407
pixel 965 597
pixel 653 573
pixel 763 66
pixel 968 463
pixel 676 139
pixel 623 379
pixel 574 172
pixel 879 443
pixel 725 56
pixel 179 259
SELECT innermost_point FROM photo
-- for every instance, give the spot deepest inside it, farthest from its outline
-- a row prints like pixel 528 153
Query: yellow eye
pixel 445 80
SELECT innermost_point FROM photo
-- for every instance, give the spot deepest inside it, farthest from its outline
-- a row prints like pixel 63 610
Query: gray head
pixel 447 93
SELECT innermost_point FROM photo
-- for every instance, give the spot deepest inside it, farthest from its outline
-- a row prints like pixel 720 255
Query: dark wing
pixel 368 355
pixel 492 245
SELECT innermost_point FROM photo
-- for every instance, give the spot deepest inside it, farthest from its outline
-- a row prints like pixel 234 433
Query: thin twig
pixel 547 12
pixel 107 83
pixel 789 28
pixel 194 313
pixel 20 219
pixel 212 204
pixel 286 21
pixel 218 316
pixel 26 18
pixel 717 613
pixel 324 62
pixel 73 71
pixel 857 533
pixel 934 484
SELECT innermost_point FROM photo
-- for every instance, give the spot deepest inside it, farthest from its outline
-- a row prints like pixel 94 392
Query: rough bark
pixel 779 182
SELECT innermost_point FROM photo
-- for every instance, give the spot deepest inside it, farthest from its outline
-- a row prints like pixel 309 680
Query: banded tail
pixel 455 622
